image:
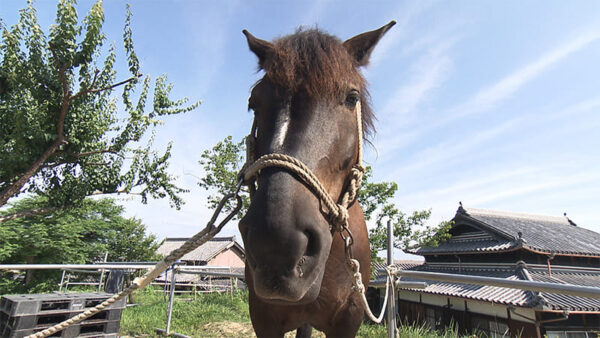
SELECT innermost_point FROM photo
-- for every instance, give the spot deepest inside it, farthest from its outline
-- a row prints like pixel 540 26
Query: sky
pixel 494 104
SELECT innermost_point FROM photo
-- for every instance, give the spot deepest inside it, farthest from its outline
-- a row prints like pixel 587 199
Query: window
pixel 433 318
pixel 498 329
pixel 488 328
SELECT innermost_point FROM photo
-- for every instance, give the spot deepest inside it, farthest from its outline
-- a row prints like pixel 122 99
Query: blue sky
pixel 494 104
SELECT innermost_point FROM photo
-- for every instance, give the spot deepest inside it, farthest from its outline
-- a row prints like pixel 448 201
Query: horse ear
pixel 261 48
pixel 361 46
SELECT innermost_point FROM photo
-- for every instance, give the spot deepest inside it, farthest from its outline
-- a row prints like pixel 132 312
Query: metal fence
pixel 207 278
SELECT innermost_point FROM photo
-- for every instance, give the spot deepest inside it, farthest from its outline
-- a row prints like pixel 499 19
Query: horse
pixel 312 107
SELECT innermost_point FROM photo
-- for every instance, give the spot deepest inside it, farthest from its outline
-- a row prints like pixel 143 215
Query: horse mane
pixel 317 63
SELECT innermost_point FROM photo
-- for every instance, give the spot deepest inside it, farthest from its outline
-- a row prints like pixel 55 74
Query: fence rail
pixel 98 268
pixel 566 289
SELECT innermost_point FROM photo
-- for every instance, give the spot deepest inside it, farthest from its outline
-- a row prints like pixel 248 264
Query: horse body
pixel 306 107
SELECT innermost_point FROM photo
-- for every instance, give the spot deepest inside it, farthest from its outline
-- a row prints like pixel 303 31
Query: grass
pixel 189 317
pixel 223 315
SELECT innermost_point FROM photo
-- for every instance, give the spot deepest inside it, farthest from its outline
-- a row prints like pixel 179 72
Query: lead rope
pixel 200 238
pixel 337 214
pixel 338 217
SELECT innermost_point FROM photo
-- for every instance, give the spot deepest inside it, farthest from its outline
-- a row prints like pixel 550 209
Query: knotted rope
pixel 359 287
pixel 338 217
pixel 337 213
pixel 200 238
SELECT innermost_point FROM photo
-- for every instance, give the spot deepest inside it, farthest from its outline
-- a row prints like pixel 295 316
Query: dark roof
pixel 564 302
pixel 203 253
pixel 398 264
pixel 513 297
pixel 493 294
pixel 497 231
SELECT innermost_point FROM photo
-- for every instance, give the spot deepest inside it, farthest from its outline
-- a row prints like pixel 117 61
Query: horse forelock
pixel 319 65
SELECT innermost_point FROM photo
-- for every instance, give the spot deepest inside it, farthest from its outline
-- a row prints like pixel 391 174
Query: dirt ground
pixel 232 329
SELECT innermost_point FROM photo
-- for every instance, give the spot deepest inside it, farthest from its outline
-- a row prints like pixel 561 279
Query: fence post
pixel 391 315
pixel 102 274
pixel 171 296
pixel 62 280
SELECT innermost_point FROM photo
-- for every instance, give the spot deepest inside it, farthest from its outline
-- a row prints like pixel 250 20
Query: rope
pixel 338 217
pixel 200 238
pixel 360 288
pixel 337 213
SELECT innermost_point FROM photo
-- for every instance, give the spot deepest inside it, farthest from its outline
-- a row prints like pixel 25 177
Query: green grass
pixel 223 315
pixel 188 317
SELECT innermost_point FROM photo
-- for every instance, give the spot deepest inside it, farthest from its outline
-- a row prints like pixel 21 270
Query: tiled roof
pixel 398 264
pixel 486 245
pixel 564 302
pixel 514 297
pixel 204 253
pixel 540 233
pixel 492 294
pixel 505 231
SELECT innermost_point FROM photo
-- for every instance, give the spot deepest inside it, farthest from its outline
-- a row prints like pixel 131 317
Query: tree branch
pixel 15 187
pixel 93 152
pixel 96 90
pixel 118 192
pixel 116 84
pixel 30 213
pixel 85 91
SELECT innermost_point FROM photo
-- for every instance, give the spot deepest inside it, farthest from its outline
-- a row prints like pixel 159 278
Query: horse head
pixel 305 106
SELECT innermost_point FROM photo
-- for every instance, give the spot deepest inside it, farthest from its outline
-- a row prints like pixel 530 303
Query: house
pixel 219 254
pixel 219 251
pixel 511 246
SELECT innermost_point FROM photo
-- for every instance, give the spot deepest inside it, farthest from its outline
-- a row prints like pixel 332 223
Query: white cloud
pixel 427 74
pixel 536 186
pixel 493 95
pixel 404 16
pixel 489 97
pixel 444 151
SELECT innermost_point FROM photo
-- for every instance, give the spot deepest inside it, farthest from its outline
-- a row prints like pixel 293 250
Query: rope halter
pixel 336 213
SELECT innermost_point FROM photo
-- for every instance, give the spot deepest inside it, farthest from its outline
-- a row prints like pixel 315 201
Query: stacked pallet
pixel 22 315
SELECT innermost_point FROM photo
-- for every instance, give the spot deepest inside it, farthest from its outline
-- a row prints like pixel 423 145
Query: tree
pixel 61 131
pixel 221 165
pixel 81 234
pixel 223 162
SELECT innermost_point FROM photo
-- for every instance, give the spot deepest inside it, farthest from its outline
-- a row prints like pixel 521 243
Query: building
pixel 219 254
pixel 512 246
pixel 219 251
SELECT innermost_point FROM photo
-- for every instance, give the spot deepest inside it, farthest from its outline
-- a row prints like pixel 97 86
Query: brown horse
pixel 305 106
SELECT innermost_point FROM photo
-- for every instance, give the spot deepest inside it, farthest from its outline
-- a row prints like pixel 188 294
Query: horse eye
pixel 352 98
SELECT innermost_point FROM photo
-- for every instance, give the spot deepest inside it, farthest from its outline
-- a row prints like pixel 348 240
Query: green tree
pixel 223 162
pixel 221 165
pixel 61 132
pixel 81 234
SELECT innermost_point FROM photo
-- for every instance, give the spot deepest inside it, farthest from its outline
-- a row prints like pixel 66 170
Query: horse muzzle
pixel 287 243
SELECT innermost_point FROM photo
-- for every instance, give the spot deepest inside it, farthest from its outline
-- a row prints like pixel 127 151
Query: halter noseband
pixel 337 214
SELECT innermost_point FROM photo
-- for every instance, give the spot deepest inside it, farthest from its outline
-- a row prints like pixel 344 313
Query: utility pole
pixel 391 308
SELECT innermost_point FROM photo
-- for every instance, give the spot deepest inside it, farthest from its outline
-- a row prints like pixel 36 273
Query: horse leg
pixel 348 321
pixel 304 331
pixel 266 319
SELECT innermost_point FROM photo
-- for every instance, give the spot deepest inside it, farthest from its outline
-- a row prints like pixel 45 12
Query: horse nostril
pixel 312 244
